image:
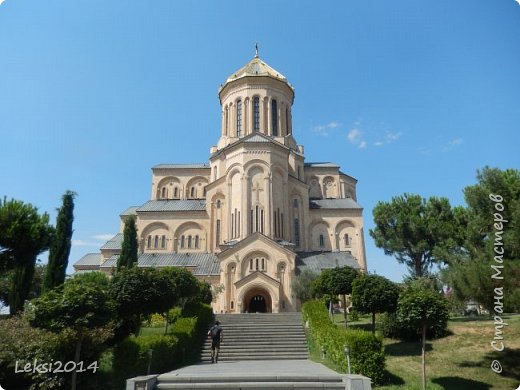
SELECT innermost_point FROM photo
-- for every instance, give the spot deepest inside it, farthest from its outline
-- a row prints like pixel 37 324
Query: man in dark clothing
pixel 216 334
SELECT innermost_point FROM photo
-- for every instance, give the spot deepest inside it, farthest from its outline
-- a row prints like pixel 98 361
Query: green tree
pixel 24 234
pixel 204 295
pixel 469 271
pixel 59 250
pixel 128 257
pixel 302 285
pixel 412 228
pixel 36 285
pixel 335 282
pixel 420 307
pixel 373 294
pixel 80 305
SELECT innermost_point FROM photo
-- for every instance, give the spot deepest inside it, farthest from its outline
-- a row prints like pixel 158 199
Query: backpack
pixel 214 332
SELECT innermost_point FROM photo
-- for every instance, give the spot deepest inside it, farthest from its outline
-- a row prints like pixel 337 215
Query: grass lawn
pixel 460 361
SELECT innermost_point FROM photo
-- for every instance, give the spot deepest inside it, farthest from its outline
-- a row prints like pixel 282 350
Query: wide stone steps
pixel 259 337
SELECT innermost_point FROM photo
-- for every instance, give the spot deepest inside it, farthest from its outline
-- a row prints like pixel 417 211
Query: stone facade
pixel 256 214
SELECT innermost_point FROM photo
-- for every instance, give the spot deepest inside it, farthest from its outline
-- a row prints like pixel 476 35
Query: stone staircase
pixel 260 336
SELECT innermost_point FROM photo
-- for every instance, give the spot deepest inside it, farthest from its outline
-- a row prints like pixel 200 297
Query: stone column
pixel 229 207
pixel 269 228
pixel 245 200
pixel 269 115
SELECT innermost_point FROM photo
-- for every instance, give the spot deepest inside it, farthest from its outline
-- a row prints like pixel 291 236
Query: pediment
pixel 251 242
pixel 258 276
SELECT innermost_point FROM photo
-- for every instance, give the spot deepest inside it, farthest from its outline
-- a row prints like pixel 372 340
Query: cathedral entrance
pixel 258 300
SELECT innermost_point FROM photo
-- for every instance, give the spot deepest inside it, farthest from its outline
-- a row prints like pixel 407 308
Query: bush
pixel 169 351
pixel 366 350
pixel 390 326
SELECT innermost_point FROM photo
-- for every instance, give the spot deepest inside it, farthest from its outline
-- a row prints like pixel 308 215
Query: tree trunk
pixel 345 309
pixel 76 360
pixel 374 323
pixel 423 353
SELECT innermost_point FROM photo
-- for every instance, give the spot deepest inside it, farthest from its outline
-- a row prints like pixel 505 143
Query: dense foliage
pixel 366 350
pixel 24 234
pixel 373 294
pixel 129 247
pixel 302 285
pixel 59 250
pixel 412 229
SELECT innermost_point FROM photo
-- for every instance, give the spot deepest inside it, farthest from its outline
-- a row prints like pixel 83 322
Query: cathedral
pixel 256 214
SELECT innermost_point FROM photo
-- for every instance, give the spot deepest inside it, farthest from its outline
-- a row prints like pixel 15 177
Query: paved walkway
pixel 256 368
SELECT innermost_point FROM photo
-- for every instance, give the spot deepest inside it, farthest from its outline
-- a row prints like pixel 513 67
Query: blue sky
pixel 406 96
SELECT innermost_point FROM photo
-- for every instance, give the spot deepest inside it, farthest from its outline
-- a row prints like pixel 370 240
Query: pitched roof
pixel 203 263
pixel 89 261
pixel 114 243
pixel 129 211
pixel 345 203
pixel 173 205
pixel 321 165
pixel 318 261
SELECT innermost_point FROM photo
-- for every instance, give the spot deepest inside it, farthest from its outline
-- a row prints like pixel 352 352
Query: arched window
pixel 163 242
pixel 189 241
pixel 196 241
pixel 192 192
pixel 232 305
pixel 149 242
pixel 218 204
pixel 217 232
pixel 251 264
pixel 182 241
pixel 286 120
pixel 346 239
pixel 263 264
pixel 156 242
pixel 256 114
pixel 322 241
pixel 274 117
pixel 239 118
pixel 295 203
pixel 256 264
pixel 226 121
pixel 175 193
pixel 164 193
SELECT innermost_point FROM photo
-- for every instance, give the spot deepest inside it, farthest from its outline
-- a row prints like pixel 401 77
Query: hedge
pixel 367 355
pixel 169 351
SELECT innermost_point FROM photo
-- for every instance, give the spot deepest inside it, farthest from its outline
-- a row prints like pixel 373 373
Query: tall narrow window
pixel 175 193
pixel 281 220
pixel 296 231
pixel 295 203
pixel 163 242
pixel 182 241
pixel 239 118
pixel 232 225
pixel 251 264
pixel 217 232
pixel 218 204
pixel 346 239
pixel 274 117
pixel 251 222
pixel 156 242
pixel 257 264
pixel 164 193
pixel 261 221
pixel 263 264
pixel 189 241
pixel 192 192
pixel 322 241
pixel 149 242
pixel 238 225
pixel 275 224
pixel 256 114
pixel 196 241
pixel 256 219
pixel 286 120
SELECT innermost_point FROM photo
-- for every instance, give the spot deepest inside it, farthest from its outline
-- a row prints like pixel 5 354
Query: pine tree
pixel 60 248
pixel 128 257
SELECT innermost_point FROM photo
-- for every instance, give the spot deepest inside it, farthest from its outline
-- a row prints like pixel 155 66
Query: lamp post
pixel 347 354
pixel 150 352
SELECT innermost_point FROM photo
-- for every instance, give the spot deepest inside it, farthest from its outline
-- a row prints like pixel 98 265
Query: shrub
pixel 366 350
pixel 392 327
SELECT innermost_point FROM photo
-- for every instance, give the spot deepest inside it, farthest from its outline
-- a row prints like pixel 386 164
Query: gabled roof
pixel 89 261
pixel 248 240
pixel 257 275
pixel 114 243
pixel 202 264
pixel 345 203
pixel 129 211
pixel 173 205
pixel 253 138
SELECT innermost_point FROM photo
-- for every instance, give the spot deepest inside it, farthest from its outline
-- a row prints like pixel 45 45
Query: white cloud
pixel 454 143
pixel 103 237
pixel 362 145
pixel 83 243
pixel 379 143
pixel 1 1
pixel 354 136
pixel 391 137
pixel 324 130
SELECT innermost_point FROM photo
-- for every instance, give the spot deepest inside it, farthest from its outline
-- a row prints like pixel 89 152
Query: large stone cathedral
pixel 256 214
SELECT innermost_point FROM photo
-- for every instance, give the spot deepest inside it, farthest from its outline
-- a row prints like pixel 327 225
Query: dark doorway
pixel 257 304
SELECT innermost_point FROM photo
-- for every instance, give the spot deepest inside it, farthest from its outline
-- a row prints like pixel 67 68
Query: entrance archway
pixel 258 300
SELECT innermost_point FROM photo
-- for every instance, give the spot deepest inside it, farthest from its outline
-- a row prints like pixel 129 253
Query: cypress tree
pixel 128 257
pixel 59 250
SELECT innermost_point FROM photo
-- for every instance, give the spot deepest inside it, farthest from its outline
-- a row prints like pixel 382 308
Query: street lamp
pixel 347 354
